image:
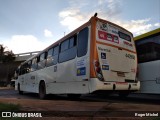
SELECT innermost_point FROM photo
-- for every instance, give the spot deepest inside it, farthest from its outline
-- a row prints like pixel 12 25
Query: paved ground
pixel 88 107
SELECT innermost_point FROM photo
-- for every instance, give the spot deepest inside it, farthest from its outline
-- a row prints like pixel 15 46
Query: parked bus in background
pixel 148 51
pixel 97 56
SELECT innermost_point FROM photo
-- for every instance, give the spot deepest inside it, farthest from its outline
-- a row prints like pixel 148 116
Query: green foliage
pixel 5 55
pixel 9 107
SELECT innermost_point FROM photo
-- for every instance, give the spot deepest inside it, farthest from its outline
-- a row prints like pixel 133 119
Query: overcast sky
pixel 32 25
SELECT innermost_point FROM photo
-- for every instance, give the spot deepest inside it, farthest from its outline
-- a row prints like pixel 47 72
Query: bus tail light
pixel 98 70
pixel 97 64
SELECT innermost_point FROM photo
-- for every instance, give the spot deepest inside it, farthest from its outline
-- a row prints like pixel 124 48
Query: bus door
pixel 31 74
pixel 82 64
pixel 29 77
pixel 115 46
pixel 65 70
pixel 21 81
pixel 22 78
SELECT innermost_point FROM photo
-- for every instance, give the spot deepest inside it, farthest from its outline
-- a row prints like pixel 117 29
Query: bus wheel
pixel 74 96
pixel 42 90
pixel 19 90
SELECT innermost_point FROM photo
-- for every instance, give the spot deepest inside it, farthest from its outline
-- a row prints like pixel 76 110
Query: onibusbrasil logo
pixel 19 114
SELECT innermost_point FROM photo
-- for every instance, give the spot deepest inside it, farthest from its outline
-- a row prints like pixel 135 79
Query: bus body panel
pixel 113 62
pixel 97 85
pixel 148 51
pixel 117 56
pixel 150 81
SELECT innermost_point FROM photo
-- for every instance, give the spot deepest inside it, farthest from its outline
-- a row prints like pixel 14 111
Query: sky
pixel 33 25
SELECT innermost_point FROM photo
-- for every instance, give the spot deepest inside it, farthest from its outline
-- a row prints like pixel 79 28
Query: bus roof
pixel 147 34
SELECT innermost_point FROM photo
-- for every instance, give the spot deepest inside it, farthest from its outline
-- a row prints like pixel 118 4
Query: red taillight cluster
pixel 97 67
pixel 98 70
pixel 97 64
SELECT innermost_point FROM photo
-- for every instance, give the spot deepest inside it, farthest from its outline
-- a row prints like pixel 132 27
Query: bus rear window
pixel 124 36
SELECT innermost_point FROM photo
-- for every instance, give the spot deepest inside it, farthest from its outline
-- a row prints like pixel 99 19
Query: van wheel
pixel 42 90
pixel 74 96
pixel 19 90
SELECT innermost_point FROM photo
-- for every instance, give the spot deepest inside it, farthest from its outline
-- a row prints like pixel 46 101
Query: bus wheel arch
pixel 19 89
pixel 42 89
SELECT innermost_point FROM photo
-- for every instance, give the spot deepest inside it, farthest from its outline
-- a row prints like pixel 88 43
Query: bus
pixel 148 52
pixel 98 56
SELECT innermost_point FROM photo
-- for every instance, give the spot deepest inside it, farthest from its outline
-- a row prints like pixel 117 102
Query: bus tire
pixel 19 89
pixel 74 96
pixel 42 90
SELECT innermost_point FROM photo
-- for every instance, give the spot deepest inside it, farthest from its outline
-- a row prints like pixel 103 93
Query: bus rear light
pixel 97 64
pixel 98 70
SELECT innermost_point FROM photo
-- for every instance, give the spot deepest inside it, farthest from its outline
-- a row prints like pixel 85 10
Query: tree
pixel 6 55
pixel 6 59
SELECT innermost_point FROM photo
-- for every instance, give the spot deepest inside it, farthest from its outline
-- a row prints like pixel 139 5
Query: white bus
pixel 97 56
pixel 148 51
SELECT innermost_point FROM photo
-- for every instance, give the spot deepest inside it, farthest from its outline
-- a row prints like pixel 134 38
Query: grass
pixel 4 107
pixel 9 107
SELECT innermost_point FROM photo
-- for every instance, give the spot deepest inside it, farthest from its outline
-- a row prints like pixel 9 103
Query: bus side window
pixel 68 50
pixel 34 64
pixel 29 66
pixel 148 49
pixel 55 54
pixel 82 42
pixel 41 60
pixel 52 56
pixel 64 45
pixel 49 57
pixel 73 41
pixel 23 69
pixel 17 71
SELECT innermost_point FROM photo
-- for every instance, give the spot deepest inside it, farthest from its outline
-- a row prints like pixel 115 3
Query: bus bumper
pixel 96 85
